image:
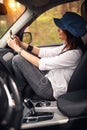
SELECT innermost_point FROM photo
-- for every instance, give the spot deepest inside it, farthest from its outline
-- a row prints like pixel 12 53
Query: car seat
pixel 74 102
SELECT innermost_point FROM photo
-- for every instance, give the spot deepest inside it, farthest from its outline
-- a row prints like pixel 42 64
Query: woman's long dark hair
pixel 73 42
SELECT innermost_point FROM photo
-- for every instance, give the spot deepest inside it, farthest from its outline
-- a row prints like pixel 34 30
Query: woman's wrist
pixel 29 48
pixel 20 50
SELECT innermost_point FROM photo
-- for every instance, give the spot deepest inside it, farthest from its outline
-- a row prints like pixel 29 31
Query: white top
pixel 61 67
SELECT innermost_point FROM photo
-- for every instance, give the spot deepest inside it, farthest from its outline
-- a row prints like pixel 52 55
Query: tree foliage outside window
pixel 43 29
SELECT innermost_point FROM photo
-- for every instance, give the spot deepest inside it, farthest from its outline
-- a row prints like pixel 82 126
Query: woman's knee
pixel 45 89
pixel 16 59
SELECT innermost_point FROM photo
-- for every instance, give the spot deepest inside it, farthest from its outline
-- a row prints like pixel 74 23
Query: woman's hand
pixel 13 43
pixel 29 57
pixel 17 40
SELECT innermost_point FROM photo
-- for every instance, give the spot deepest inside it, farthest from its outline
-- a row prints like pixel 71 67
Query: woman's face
pixel 62 34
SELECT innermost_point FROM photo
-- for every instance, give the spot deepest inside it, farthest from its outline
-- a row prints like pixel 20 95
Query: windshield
pixel 14 11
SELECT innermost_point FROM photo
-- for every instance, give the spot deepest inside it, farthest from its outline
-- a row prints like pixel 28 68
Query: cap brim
pixel 59 23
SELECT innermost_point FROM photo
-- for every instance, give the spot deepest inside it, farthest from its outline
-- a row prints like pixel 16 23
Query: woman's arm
pixel 35 50
pixel 29 57
pixel 25 46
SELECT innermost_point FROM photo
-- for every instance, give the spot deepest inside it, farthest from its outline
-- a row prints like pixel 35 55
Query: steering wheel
pixel 11 108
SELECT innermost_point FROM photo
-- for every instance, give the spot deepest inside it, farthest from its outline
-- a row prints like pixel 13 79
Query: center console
pixel 41 113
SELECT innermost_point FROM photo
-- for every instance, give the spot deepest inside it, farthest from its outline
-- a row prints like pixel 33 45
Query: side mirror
pixel 3 10
pixel 27 37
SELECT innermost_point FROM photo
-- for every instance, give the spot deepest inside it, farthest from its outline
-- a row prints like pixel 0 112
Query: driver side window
pixel 43 29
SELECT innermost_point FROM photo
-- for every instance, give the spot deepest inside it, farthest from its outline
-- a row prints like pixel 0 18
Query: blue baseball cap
pixel 73 23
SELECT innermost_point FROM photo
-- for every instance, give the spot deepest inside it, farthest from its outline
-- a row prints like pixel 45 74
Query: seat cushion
pixel 73 104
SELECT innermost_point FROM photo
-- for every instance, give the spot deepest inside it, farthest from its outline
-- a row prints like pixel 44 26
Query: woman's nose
pixel 58 30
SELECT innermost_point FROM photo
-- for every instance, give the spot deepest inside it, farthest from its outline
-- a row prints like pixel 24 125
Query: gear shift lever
pixel 34 116
pixel 29 104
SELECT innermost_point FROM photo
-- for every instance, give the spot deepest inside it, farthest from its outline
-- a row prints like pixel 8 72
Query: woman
pixel 49 75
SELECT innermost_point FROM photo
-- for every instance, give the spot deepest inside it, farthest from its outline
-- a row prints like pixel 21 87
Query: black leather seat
pixel 74 102
pixel 79 78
